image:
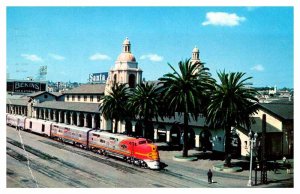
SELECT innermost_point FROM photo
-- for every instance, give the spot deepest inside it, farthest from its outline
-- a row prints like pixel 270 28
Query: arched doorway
pixel 131 81
pixel 191 138
pixel 149 133
pixel 205 140
pixel 128 128
pixel 56 115
pixel 115 79
pixel 81 119
pixel 67 117
pixel 235 145
pixel 74 118
pixel 175 135
pixel 138 129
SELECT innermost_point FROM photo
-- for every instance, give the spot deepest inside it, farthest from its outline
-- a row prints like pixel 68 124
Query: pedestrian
pixel 209 176
pixel 288 167
pixel 284 160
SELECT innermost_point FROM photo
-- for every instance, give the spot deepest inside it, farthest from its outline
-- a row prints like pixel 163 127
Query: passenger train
pixel 138 151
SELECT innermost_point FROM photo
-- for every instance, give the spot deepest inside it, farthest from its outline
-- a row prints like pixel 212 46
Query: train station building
pixel 80 107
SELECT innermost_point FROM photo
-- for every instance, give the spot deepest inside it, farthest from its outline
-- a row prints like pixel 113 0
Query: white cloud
pixel 222 19
pixel 99 57
pixel 152 57
pixel 32 57
pixel 57 57
pixel 258 68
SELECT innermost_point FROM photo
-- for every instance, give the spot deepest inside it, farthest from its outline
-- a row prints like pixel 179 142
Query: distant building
pixel 86 93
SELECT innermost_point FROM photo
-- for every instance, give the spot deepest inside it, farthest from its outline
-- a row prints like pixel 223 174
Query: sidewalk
pixel 235 179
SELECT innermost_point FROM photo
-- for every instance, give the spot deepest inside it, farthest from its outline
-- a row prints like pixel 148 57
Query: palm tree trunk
pixel 227 146
pixel 185 135
pixel 116 126
pixel 144 129
pixel 145 125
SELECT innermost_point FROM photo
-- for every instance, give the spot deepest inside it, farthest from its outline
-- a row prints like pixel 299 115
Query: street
pixel 53 164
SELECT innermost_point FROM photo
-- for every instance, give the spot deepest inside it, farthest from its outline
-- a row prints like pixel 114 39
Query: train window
pixel 112 138
pixel 30 124
pixel 102 141
pixel 142 142
pixel 96 135
pixel 43 128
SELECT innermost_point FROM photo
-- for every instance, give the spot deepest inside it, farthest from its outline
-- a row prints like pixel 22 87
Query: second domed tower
pixel 195 55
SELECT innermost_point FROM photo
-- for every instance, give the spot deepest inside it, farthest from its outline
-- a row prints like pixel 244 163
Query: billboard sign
pixel 25 87
pixel 98 77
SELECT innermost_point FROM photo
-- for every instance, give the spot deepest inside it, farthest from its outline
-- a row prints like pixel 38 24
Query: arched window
pixel 115 78
pixel 131 81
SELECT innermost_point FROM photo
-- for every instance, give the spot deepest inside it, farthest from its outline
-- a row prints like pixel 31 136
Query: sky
pixel 76 41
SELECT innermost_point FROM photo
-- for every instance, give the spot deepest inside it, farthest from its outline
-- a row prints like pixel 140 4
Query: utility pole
pixel 264 177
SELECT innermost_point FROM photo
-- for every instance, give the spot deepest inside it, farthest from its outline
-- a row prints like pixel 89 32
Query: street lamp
pixel 252 140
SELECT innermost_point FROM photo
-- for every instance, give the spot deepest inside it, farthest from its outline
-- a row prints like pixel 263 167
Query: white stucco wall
pixel 88 99
pixel 273 124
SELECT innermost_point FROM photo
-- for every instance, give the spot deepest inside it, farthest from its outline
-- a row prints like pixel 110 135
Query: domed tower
pixel 126 68
pixel 195 57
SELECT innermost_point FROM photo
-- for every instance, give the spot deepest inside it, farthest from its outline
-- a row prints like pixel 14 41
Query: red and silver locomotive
pixel 139 151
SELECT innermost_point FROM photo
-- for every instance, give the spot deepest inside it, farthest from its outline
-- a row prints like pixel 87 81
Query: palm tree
pixel 232 103
pixel 184 92
pixel 144 102
pixel 113 105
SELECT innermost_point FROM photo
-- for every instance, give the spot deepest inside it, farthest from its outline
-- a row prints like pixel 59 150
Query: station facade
pixel 80 107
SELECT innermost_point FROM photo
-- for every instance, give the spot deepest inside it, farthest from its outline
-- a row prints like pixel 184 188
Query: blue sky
pixel 76 41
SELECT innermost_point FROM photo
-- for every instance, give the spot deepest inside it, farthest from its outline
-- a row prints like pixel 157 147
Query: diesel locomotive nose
pixel 154 152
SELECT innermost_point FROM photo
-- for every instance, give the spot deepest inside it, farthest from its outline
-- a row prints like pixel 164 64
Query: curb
pixel 220 167
pixel 184 159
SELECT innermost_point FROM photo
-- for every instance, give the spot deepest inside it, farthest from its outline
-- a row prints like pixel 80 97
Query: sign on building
pixel 25 86
pixel 98 77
